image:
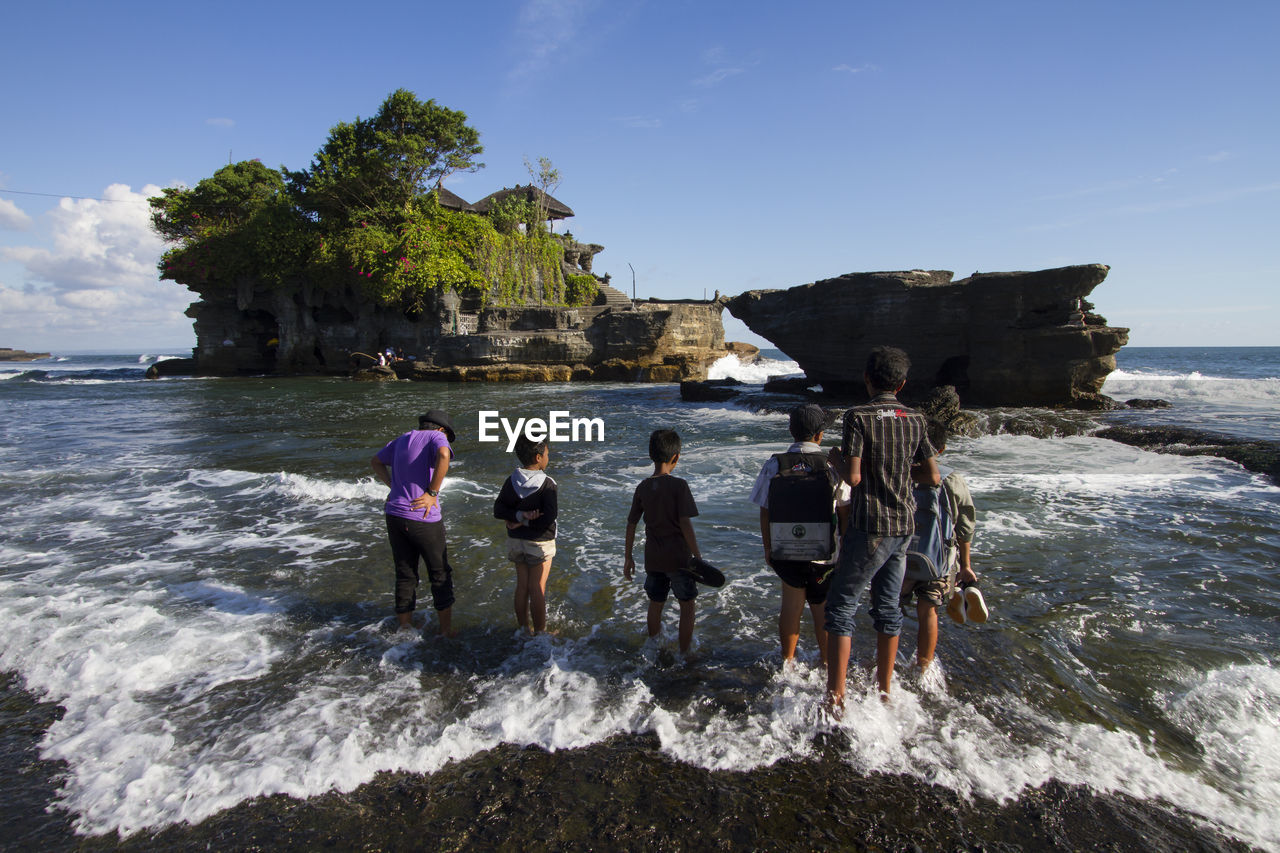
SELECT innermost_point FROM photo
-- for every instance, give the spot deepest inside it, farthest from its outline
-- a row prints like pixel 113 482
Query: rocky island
pixel 365 257
pixel 7 354
pixel 1002 338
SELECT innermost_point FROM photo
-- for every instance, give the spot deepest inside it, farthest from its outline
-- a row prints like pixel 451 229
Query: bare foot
pixel 833 706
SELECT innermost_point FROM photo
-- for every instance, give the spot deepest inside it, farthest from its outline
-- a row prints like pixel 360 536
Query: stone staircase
pixel 611 297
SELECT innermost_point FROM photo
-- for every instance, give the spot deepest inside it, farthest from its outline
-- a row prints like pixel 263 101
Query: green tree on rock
pixel 373 169
pixel 223 202
pixel 238 223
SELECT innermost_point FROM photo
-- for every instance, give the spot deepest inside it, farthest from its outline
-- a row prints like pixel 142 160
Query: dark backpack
pixel 802 524
pixel 932 552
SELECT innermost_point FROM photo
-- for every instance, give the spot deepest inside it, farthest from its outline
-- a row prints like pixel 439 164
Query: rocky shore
pixel 1019 338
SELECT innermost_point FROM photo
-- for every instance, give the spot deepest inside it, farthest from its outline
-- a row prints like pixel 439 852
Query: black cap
pixel 807 421
pixel 437 418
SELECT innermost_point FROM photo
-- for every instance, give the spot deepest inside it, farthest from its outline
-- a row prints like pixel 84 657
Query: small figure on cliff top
pixel 529 504
pixel 414 466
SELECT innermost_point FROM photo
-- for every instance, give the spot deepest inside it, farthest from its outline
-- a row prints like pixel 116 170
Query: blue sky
pixel 709 145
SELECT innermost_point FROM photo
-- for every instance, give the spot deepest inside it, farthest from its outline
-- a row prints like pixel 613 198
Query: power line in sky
pixel 58 195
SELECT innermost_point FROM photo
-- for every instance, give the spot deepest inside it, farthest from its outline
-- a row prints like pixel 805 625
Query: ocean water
pixel 195 572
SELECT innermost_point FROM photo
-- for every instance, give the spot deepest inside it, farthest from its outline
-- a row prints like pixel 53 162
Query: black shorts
pixel 813 578
pixel 658 584
pixel 411 540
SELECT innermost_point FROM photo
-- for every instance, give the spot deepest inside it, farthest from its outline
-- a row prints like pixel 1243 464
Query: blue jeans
pixel 864 557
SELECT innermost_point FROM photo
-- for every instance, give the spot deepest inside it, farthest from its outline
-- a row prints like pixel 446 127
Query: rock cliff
pixel 259 330
pixel 1008 338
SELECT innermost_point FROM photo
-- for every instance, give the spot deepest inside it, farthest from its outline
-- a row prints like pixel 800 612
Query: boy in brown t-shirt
pixel 667 506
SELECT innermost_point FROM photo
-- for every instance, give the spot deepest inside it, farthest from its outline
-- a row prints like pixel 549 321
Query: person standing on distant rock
pixel 414 466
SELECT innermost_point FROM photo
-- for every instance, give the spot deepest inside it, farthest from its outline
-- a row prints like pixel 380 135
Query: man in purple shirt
pixel 413 466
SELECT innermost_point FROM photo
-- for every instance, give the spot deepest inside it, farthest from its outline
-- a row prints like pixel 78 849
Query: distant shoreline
pixel 8 354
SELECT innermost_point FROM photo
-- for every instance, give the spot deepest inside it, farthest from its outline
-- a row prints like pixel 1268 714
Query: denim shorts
pixel 658 584
pixel 866 558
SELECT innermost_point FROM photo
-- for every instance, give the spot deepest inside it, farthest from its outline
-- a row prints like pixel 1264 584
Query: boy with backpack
pixel 804 506
pixel 938 563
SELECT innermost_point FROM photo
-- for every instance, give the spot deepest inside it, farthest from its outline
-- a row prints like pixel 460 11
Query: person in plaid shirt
pixel 882 440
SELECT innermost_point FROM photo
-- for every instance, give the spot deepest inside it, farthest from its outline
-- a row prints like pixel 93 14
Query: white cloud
pixel 639 121
pixel 98 281
pixel 850 69
pixel 220 122
pixel 722 67
pixel 12 216
pixel 718 76
pixel 1161 206
pixel 544 29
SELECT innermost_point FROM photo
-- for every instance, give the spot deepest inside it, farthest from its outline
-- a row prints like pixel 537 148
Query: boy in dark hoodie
pixel 528 504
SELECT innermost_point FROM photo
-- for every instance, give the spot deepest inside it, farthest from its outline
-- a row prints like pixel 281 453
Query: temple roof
pixel 448 198
pixel 556 209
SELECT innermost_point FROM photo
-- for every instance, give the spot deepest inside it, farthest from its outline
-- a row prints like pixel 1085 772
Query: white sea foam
pixel 1192 387
pixel 1234 714
pixel 753 373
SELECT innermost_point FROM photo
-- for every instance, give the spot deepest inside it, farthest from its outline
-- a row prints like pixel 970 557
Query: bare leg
pixel 686 625
pixel 789 620
pixel 886 656
pixel 446 621
pixel 405 619
pixel 837 668
pixel 927 636
pixel 522 595
pixel 536 583
pixel 819 612
pixel 655 617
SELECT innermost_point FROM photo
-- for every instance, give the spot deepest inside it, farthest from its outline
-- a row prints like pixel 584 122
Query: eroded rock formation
pixel 1009 338
pixel 451 338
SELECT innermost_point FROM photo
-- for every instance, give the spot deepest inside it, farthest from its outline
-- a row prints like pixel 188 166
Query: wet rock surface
pixel 1262 457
